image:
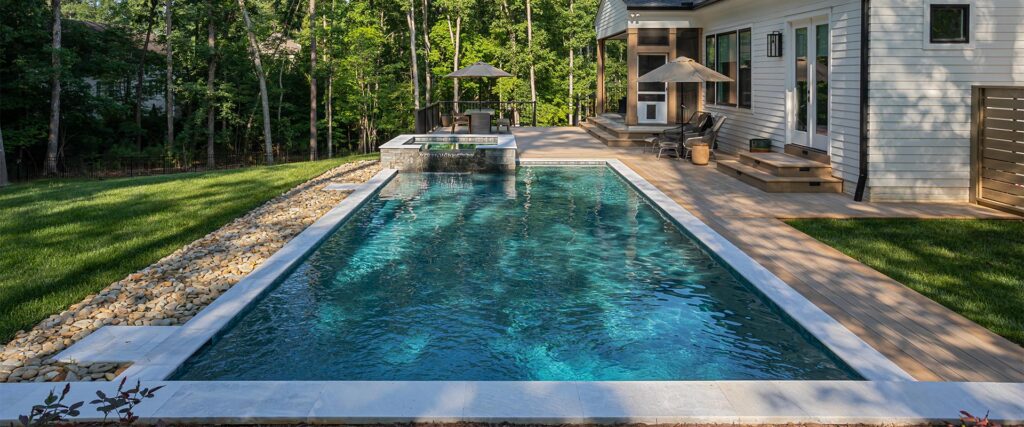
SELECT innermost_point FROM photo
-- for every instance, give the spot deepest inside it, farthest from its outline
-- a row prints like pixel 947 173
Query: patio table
pixel 479 120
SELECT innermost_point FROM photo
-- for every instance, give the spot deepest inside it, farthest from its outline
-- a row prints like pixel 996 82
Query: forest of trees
pixel 200 80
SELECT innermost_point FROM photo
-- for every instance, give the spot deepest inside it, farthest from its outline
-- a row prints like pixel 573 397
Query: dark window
pixel 746 62
pixel 652 37
pixel 709 61
pixel 646 64
pixel 951 23
pixel 730 54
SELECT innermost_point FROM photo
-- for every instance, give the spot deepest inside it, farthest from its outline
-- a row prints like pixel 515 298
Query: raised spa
pixel 548 274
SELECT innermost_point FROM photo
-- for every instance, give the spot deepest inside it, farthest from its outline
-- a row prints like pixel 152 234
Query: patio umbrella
pixel 683 70
pixel 480 69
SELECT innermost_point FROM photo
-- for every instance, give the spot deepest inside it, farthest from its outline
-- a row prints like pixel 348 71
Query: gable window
pixel 950 23
pixel 730 54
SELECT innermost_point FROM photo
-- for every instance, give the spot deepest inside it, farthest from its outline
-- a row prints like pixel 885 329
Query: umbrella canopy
pixel 480 69
pixel 683 70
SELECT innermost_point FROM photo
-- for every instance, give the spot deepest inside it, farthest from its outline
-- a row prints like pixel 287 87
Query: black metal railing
pixel 439 114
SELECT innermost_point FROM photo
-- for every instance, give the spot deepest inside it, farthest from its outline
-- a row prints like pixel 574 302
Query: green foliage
pixel 972 267
pixel 363 50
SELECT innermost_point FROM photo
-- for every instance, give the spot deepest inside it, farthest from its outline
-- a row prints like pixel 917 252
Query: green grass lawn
pixel 63 240
pixel 974 267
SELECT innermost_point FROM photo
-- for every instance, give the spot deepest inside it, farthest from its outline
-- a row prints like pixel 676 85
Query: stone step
pixel 780 164
pixel 779 184
pixel 807 153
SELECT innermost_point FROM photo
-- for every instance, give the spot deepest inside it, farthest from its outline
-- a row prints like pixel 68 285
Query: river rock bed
pixel 172 290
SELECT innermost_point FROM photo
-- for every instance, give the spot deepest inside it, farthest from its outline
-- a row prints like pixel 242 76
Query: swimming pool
pixel 551 274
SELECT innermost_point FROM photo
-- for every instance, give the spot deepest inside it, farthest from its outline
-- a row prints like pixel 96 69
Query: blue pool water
pixel 551 274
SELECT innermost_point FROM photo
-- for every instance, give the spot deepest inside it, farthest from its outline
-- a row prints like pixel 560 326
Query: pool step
pixel 779 184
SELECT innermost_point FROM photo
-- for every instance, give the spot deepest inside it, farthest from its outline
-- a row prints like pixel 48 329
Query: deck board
pixel 929 341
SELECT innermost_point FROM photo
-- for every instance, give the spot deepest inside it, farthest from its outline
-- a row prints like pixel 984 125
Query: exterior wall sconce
pixel 775 44
pixel 634 18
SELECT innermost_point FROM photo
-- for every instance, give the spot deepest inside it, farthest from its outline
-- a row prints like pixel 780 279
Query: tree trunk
pixel 169 99
pixel 330 84
pixel 410 19
pixel 456 37
pixel 211 73
pixel 140 78
pixel 52 139
pixel 426 51
pixel 529 48
pixel 312 80
pixel 254 50
pixel 572 70
pixel 3 162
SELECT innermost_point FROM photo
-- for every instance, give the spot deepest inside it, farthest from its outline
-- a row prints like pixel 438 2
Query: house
pixel 886 93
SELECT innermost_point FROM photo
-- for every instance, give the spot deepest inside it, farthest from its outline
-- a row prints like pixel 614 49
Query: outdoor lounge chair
pixel 709 137
pixel 695 126
pixel 459 119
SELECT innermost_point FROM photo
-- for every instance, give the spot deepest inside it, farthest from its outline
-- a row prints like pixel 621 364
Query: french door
pixel 811 109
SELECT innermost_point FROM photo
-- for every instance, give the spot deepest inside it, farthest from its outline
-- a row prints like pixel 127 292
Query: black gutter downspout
pixel 865 96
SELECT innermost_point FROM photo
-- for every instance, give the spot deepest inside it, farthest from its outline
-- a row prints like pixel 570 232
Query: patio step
pixel 609 138
pixel 779 184
pixel 780 164
pixel 807 153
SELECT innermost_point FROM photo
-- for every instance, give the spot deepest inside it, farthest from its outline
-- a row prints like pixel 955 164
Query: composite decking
pixel 929 341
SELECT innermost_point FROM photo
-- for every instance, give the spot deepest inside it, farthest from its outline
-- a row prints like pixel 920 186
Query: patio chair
pixel 504 119
pixel 459 119
pixel 710 138
pixel 696 125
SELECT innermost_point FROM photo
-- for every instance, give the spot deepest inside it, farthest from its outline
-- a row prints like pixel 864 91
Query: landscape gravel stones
pixel 175 288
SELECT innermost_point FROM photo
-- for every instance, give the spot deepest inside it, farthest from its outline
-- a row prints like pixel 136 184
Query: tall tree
pixel 572 64
pixel 169 97
pixel 254 50
pixel 52 144
pixel 426 50
pixel 312 80
pixel 532 56
pixel 141 72
pixel 456 39
pixel 211 74
pixel 329 103
pixel 414 74
pixel 3 161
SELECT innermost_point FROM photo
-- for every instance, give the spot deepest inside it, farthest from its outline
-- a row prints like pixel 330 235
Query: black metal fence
pixel 439 114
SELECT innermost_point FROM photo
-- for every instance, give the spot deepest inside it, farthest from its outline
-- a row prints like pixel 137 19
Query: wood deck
pixel 929 341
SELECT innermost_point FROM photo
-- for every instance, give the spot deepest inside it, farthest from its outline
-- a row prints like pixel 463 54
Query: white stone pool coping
pixel 503 141
pixel 889 397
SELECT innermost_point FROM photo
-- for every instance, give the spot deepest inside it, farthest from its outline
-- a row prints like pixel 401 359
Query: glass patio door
pixel 809 117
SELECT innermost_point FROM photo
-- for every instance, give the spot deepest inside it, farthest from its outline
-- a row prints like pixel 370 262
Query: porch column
pixel 601 97
pixel 673 92
pixel 632 70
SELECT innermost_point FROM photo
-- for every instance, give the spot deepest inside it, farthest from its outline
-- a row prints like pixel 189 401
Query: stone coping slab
pixel 502 141
pixel 116 344
pixel 344 186
pixel 669 402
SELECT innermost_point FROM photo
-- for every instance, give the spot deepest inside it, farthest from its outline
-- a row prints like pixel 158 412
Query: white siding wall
pixel 768 117
pixel 920 121
pixel 611 18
